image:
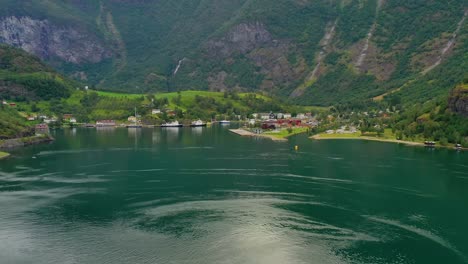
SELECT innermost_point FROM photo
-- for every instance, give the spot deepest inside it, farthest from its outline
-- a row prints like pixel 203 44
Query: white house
pixel 155 111
pixel 50 120
pixel 264 116
pixel 72 120
pixel 287 116
pixel 301 116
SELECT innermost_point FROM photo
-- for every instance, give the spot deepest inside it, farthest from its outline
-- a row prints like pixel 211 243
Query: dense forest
pixel 24 77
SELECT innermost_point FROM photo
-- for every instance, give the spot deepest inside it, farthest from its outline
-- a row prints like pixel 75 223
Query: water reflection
pixel 191 196
pixel 171 133
pixel 105 130
pixel 197 130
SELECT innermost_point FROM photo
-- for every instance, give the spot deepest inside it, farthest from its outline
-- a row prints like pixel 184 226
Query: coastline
pixel 408 143
pixel 25 141
pixel 272 136
pixel 4 155
pixel 245 133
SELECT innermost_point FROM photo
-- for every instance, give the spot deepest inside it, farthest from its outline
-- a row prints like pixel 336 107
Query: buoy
pixel 296 147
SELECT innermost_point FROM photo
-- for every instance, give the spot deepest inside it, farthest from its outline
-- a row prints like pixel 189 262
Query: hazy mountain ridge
pixel 317 52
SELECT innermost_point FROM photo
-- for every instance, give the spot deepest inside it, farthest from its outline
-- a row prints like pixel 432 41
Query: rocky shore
pixel 25 141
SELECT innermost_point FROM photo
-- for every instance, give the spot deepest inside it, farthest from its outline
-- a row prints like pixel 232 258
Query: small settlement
pixel 277 126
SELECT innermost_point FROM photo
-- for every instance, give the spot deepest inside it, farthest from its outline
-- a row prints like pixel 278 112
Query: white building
pixel 155 111
pixel 264 116
pixel 301 116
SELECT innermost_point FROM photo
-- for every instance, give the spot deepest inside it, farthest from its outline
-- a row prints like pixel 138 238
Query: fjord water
pixel 208 196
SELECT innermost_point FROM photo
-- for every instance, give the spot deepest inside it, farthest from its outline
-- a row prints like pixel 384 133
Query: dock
pixel 245 133
pixel 242 132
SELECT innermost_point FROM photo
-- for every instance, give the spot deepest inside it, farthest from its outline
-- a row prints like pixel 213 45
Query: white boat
pixel 225 122
pixel 172 124
pixel 198 123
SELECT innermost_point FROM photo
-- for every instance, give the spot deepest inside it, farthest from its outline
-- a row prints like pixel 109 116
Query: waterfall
pixel 363 54
pixel 178 66
pixel 447 46
pixel 325 43
pixel 365 48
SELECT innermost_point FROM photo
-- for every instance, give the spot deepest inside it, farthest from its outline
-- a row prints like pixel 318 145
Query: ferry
pixel 172 124
pixel 430 144
pixel 225 122
pixel 198 123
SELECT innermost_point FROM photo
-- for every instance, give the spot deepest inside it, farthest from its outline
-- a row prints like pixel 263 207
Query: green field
pixel 284 133
pixel 3 155
pixel 92 105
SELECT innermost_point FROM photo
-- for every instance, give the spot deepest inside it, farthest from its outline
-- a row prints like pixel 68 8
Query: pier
pixel 245 133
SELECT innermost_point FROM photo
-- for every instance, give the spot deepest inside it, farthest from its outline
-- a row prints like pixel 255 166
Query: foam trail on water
pixel 418 231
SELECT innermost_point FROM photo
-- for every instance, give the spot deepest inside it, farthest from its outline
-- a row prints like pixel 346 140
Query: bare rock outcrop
pixel 458 100
pixel 49 41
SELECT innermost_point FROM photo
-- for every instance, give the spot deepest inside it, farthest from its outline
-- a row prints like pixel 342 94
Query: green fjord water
pixel 208 196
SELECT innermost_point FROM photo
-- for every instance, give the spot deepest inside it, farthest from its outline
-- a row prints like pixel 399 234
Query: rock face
pixel 243 38
pixel 49 41
pixel 254 41
pixel 458 100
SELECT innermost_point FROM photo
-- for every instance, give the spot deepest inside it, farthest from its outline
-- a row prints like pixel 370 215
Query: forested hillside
pixel 318 52
pixel 24 77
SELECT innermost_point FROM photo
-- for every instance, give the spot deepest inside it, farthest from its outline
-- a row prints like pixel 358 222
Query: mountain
pixel 318 52
pixel 26 77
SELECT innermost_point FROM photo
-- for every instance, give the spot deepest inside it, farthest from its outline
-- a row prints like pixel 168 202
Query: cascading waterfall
pixel 447 46
pixel 178 66
pixel 363 53
pixel 325 43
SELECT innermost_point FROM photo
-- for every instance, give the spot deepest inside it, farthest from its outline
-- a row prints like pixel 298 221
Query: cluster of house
pixel 277 120
pixel 9 104
pixel 343 130
pixel 169 112
pixel 271 115
pixel 52 119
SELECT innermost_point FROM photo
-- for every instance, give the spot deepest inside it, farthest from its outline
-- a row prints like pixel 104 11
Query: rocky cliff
pixel 458 100
pixel 50 41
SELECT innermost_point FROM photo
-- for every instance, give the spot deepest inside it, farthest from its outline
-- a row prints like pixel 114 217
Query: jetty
pixel 245 133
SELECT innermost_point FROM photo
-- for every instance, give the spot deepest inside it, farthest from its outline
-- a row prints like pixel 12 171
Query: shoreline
pixel 4 155
pixel 245 133
pixel 408 143
pixel 24 141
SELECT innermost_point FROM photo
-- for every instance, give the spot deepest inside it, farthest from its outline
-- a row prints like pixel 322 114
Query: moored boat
pixel 430 144
pixel 225 122
pixel 172 124
pixel 198 123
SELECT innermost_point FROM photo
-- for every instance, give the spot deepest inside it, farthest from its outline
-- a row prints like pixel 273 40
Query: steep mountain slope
pixel 25 77
pixel 314 52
